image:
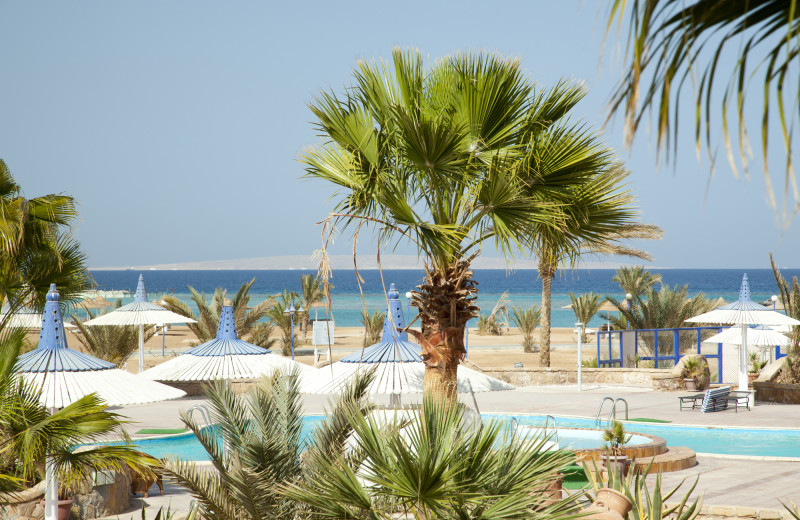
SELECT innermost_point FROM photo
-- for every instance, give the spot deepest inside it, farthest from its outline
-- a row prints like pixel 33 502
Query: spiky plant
pixel 635 280
pixel 260 448
pixel 526 320
pixel 112 343
pixel 207 317
pixel 261 335
pixel 491 323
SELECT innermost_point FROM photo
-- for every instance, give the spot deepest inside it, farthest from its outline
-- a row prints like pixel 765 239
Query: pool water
pixel 728 441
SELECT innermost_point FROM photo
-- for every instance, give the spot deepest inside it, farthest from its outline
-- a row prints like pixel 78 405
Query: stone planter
pixel 617 464
pixel 691 384
pixel 776 393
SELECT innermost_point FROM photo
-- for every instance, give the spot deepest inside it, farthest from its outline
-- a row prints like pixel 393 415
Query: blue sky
pixel 177 125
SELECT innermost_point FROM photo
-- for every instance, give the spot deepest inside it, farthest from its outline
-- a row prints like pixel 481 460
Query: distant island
pixel 339 262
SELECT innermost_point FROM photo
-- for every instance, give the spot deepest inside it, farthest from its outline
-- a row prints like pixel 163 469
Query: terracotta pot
pixel 613 500
pixel 551 492
pixel 691 384
pixel 618 464
pixel 64 509
pixel 751 378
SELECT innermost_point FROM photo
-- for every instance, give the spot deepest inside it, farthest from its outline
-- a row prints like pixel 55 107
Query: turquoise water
pixel 729 441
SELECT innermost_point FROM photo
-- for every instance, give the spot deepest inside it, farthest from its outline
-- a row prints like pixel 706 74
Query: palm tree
pixel 676 43
pixel 313 292
pixel 435 464
pixel 262 449
pixel 576 169
pixel 429 155
pixel 30 433
pixel 36 248
pixel 635 280
pixel 526 320
pixel 790 297
pixel 112 343
pixel 585 307
pixel 279 316
pixel 208 313
pixel 373 326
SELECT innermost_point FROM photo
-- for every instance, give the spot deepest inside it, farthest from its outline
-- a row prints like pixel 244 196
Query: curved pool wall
pixel 588 443
pixel 754 442
pixel 727 441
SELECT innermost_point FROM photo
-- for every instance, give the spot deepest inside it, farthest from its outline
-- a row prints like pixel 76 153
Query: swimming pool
pixel 723 441
pixel 727 441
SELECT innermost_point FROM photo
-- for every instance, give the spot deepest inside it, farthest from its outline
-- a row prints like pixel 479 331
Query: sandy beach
pixel 484 351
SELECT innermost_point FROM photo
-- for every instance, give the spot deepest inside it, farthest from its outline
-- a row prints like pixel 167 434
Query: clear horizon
pixel 177 126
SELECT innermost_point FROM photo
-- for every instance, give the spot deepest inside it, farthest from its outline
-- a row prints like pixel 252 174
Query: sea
pixel 349 298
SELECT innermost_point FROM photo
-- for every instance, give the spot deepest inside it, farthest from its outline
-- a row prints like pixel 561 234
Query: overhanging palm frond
pixel 672 41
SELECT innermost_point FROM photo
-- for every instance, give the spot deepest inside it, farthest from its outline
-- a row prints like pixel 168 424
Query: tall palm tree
pixel 279 316
pixel 373 326
pixel 36 248
pixel 207 317
pixel 635 280
pixel 569 164
pixel 672 44
pixel 428 155
pixel 312 292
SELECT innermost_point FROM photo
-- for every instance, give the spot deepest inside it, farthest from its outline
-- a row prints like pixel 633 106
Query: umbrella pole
pixel 141 348
pixel 743 382
pixel 51 487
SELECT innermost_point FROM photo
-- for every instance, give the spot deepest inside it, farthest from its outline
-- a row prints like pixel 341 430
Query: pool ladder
pixel 547 419
pixel 613 412
pixel 203 411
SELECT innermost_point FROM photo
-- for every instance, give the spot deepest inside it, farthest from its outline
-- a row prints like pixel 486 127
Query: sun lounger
pixel 715 400
pixel 691 399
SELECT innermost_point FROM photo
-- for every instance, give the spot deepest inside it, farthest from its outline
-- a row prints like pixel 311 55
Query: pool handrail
pixel 614 409
pixel 203 409
pixel 600 410
pixel 555 426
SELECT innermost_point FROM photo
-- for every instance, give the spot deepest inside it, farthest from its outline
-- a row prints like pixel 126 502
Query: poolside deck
pixel 729 481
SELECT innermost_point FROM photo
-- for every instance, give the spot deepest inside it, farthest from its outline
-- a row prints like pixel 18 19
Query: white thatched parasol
pixel 744 312
pixel 141 313
pixel 225 357
pixel 23 318
pixel 65 375
pixel 761 336
pixel 398 366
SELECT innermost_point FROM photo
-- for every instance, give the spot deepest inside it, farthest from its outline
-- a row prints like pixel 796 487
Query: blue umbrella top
pixel 744 303
pixel 227 343
pixel 393 346
pixel 52 354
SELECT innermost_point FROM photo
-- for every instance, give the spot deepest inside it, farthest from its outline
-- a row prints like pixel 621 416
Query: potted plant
pixel 64 504
pixel 692 368
pixel 755 367
pixel 616 438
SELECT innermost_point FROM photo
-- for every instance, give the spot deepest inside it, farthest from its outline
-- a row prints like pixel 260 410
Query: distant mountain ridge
pixel 306 262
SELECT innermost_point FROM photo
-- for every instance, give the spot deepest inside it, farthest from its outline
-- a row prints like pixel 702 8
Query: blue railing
pixel 664 360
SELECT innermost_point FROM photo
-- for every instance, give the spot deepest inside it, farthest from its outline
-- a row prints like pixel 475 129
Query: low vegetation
pixel 526 320
pixel 373 326
pixel 112 343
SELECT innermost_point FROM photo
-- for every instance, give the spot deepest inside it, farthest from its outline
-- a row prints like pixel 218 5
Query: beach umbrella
pixel 224 357
pixel 397 364
pixel 64 375
pixel 744 312
pixel 761 336
pixel 141 313
pixel 24 318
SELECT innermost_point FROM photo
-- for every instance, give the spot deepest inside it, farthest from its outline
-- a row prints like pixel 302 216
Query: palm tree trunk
pixel 547 272
pixel 445 301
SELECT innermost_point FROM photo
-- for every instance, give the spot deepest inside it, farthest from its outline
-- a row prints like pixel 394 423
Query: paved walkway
pixel 723 481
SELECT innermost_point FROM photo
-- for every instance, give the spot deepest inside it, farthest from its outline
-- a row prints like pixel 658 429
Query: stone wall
pixel 109 494
pixel 776 392
pixel 558 376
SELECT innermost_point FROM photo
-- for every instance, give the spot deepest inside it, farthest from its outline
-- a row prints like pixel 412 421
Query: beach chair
pixel 691 399
pixel 716 400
